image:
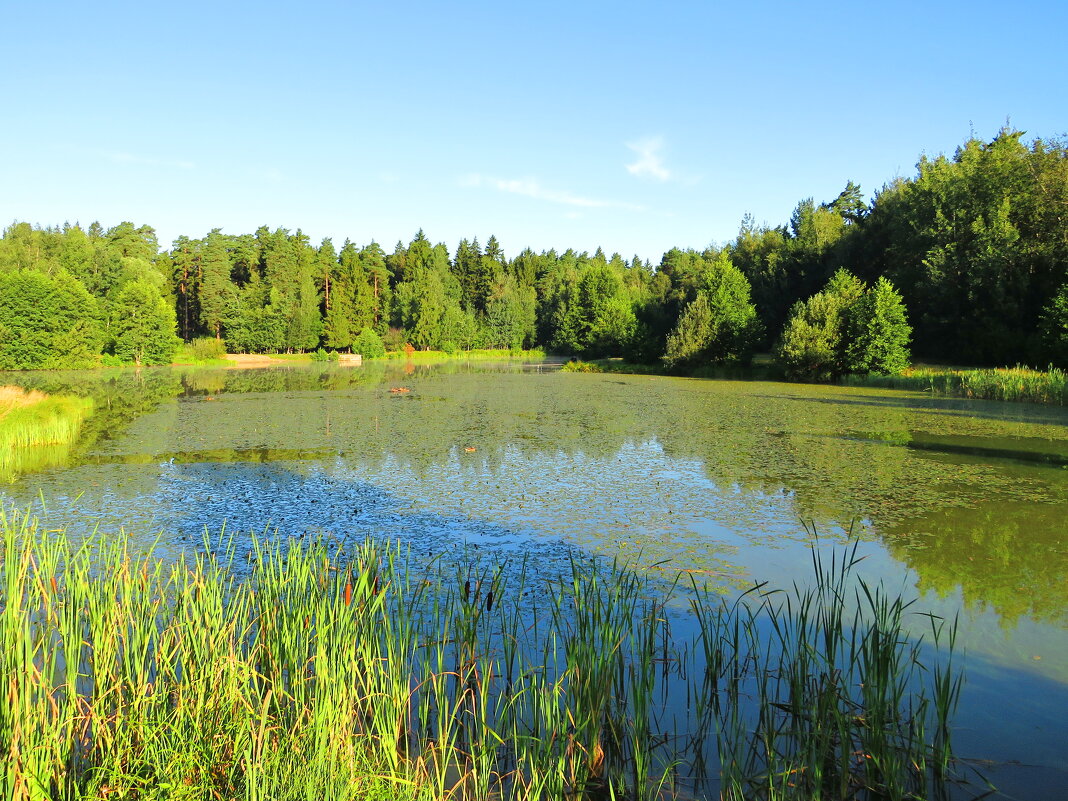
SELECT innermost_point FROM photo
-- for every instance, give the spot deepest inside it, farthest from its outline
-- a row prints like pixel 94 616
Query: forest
pixel 965 262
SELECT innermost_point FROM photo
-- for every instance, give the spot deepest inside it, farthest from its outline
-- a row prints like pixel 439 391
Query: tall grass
pixel 1006 384
pixel 296 671
pixel 845 706
pixel 203 350
pixel 37 429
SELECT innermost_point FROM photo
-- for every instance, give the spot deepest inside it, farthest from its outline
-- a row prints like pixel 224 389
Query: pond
pixel 962 505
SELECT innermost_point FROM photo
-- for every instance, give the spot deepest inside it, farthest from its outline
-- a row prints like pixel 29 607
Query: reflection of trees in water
pixel 15 462
pixel 119 397
pixel 1009 556
pixel 838 454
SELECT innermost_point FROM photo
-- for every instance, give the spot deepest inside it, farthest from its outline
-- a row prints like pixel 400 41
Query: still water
pixel 962 505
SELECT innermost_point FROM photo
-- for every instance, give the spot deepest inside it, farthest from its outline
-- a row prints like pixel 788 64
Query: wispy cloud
pixel 529 187
pixel 650 163
pixel 148 161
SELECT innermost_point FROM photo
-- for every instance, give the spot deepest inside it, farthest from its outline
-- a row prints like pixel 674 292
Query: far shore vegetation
pixel 964 262
pixel 299 670
pixel 1003 384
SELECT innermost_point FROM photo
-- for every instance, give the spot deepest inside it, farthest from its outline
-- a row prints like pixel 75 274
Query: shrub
pixel 1055 326
pixel 881 343
pixel 368 344
pixel 46 321
pixel 394 339
pixel 846 328
pixel 206 349
pixel 144 325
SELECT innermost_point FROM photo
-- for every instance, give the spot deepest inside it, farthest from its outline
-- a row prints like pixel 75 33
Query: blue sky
pixel 631 126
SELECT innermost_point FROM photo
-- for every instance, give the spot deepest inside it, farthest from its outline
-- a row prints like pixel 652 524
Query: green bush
pixel 1055 327
pixel 47 321
pixel 846 328
pixel 369 344
pixel 206 349
pixel 881 332
pixel 393 340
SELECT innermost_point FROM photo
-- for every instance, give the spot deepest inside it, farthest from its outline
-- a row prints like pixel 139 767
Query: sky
pixel 635 127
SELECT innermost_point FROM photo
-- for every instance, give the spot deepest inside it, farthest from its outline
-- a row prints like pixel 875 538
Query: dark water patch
pixel 1038 414
pixel 1044 452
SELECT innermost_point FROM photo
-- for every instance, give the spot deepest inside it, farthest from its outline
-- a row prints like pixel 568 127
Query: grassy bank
pixel 36 429
pixel 206 351
pixel 762 368
pixel 279 672
pixel 1005 384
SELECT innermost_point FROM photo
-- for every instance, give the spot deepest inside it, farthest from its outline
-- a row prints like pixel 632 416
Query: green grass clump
pixel 297 671
pixel 37 429
pixel 202 351
pixel 840 704
pixel 1004 384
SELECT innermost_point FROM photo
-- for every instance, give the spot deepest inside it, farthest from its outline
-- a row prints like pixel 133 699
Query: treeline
pixel 974 246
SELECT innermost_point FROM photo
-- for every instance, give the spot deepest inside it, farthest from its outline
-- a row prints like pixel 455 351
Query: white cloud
pixel 649 162
pixel 531 188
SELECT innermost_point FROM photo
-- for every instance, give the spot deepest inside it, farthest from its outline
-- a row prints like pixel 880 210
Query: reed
pixel 305 670
pixel 37 430
pixel 1005 384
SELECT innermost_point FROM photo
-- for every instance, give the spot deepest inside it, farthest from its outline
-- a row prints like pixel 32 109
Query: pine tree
pixel 882 332
pixel 216 290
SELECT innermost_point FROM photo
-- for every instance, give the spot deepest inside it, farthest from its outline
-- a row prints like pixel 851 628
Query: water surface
pixel 962 504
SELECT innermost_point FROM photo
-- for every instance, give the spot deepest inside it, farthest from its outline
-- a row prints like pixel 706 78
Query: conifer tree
pixel 216 290
pixel 881 332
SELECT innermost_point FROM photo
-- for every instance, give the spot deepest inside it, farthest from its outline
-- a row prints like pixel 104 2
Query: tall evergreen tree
pixel 216 290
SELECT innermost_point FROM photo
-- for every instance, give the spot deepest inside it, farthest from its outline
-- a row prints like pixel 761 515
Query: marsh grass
pixel 37 430
pixel 843 705
pixel 1005 384
pixel 201 351
pixel 302 670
